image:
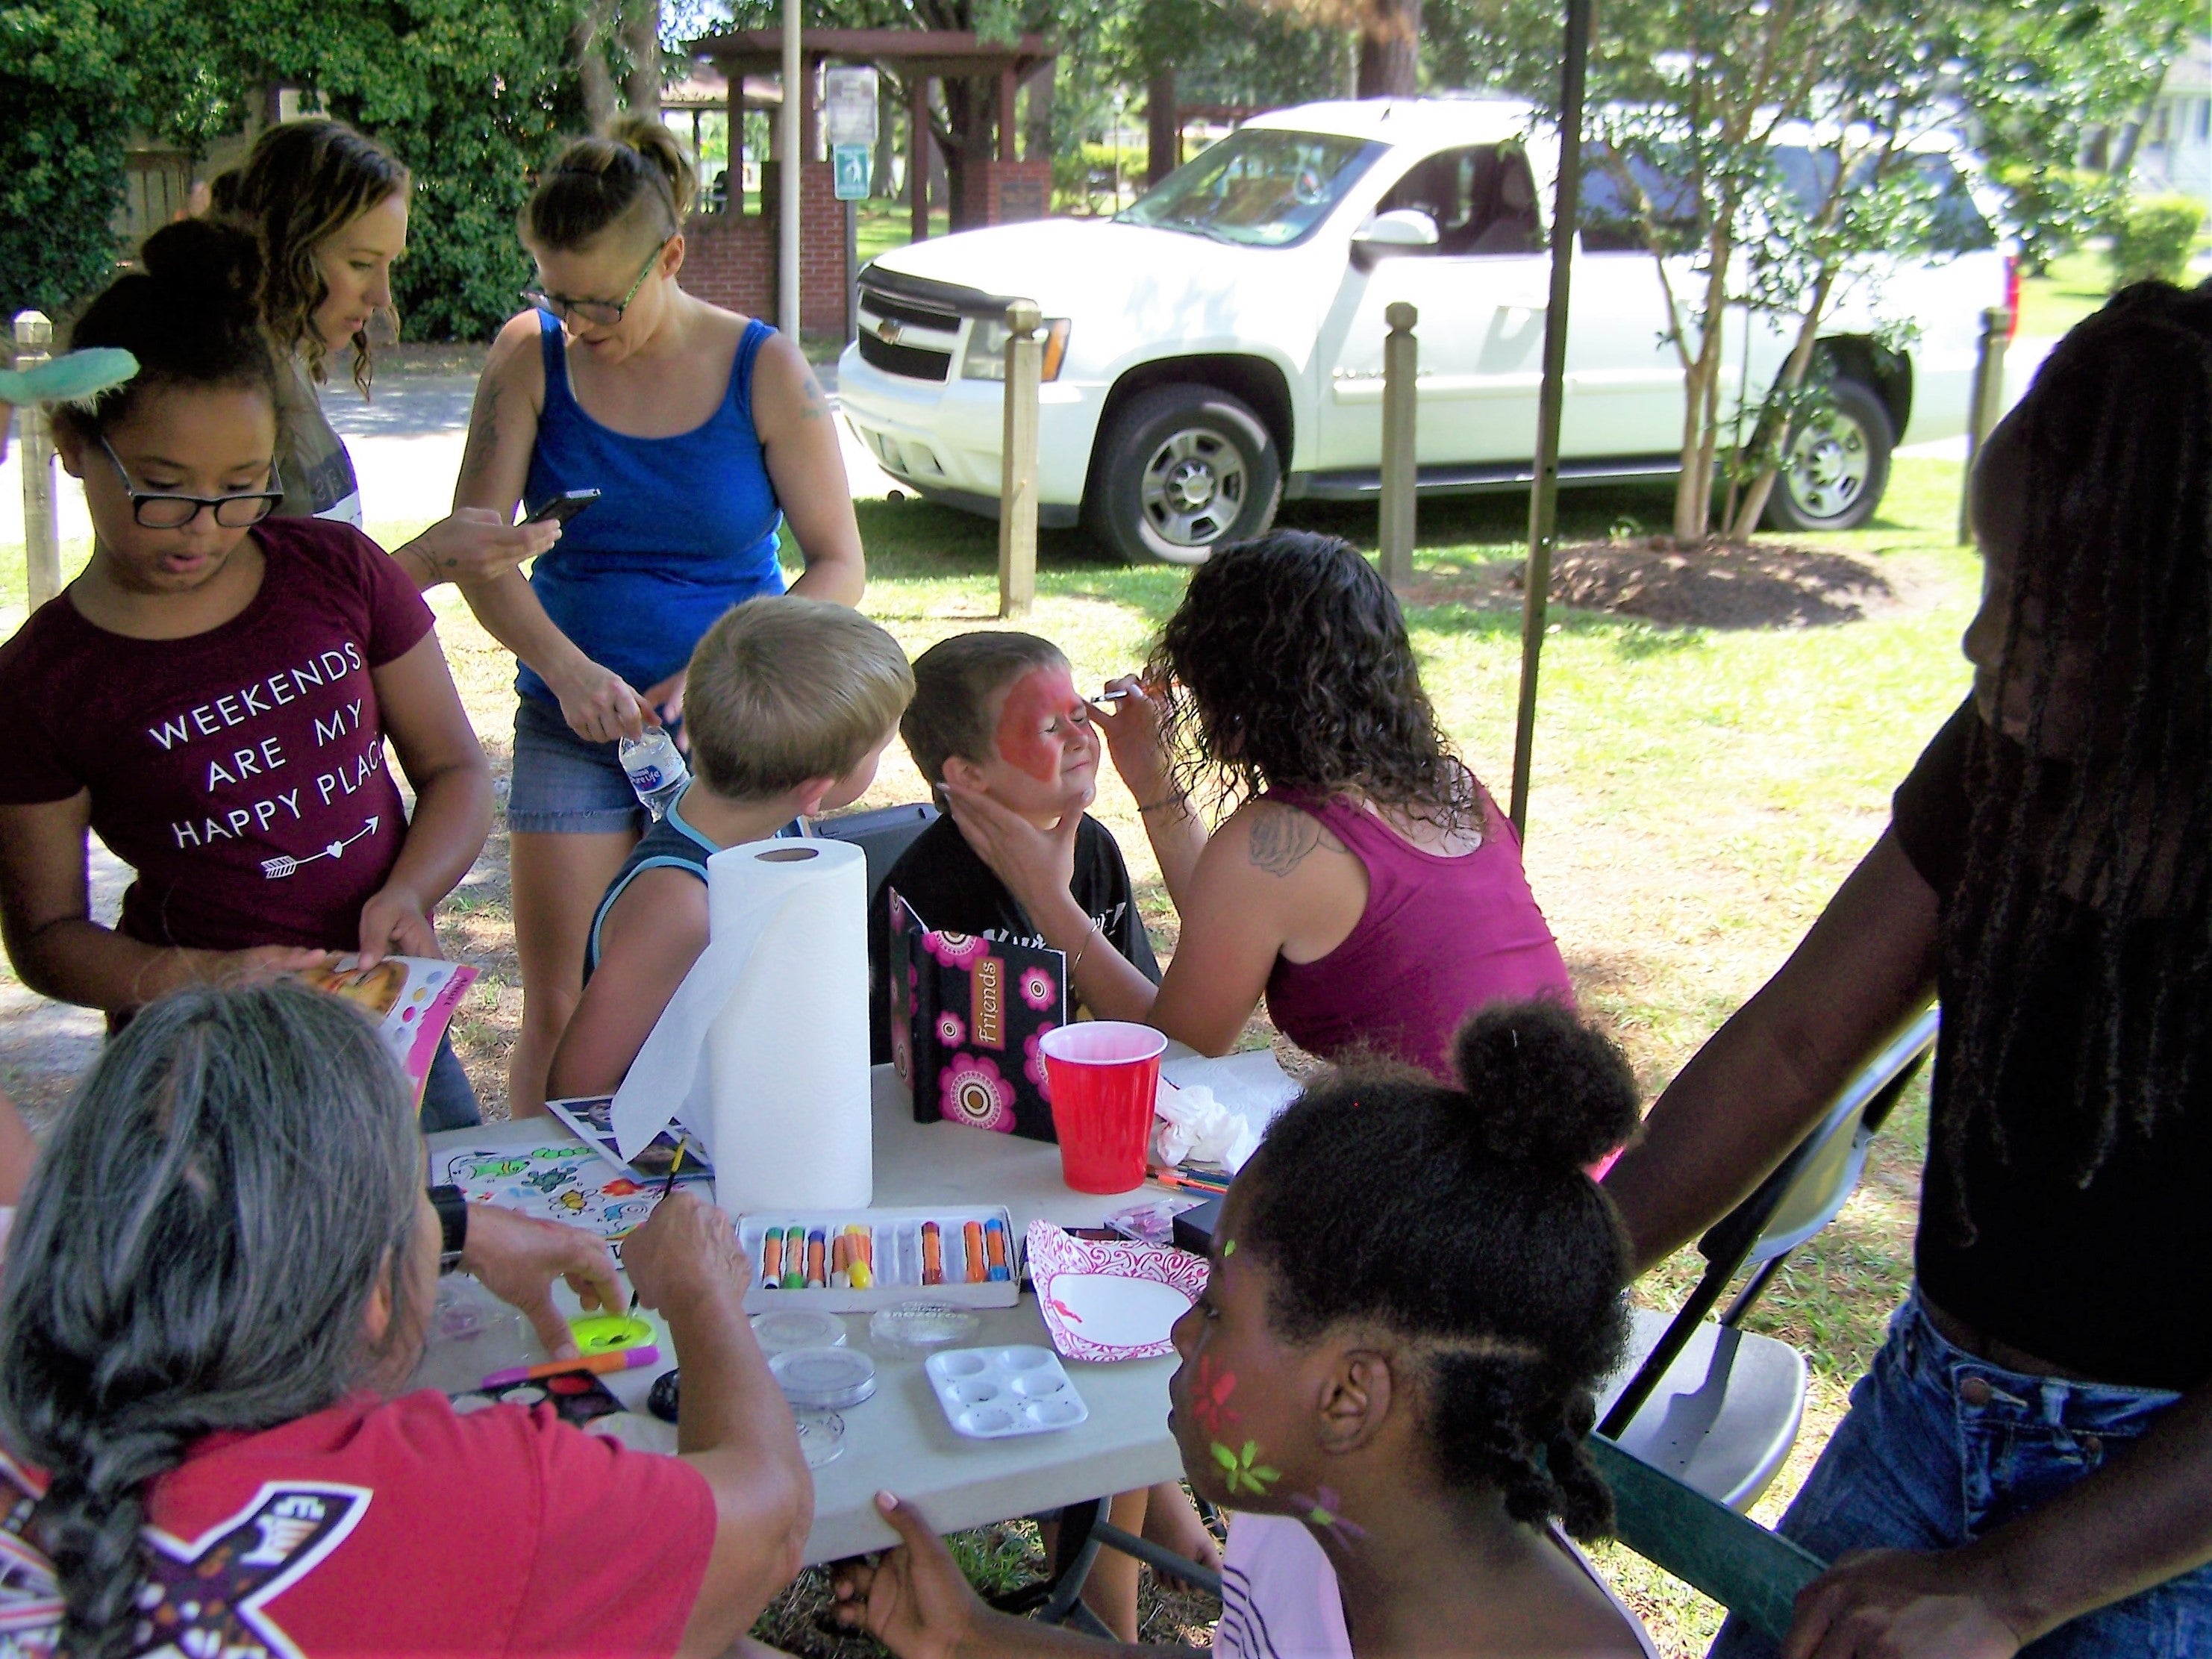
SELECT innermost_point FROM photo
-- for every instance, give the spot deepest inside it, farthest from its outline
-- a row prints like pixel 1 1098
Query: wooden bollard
pixel 1401 362
pixel 1018 464
pixel 1984 409
pixel 42 535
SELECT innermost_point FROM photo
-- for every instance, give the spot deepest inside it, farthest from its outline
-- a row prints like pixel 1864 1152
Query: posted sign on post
pixel 848 114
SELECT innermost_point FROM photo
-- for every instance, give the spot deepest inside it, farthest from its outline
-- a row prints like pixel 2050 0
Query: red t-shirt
pixel 396 1527
pixel 240 772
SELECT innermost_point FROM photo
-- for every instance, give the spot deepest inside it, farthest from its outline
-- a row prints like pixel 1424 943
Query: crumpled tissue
pixel 1190 1123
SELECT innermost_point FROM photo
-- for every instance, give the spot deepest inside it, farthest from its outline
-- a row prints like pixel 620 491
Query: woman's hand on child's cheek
pixel 1032 862
pixel 599 705
pixel 396 923
pixel 915 1600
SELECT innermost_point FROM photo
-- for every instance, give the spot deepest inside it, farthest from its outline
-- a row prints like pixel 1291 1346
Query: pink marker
pixel 623 1359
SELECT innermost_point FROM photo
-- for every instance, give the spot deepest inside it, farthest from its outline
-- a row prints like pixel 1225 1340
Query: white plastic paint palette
pixel 990 1393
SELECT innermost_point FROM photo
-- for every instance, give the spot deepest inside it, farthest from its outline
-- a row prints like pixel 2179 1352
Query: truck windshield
pixel 1259 187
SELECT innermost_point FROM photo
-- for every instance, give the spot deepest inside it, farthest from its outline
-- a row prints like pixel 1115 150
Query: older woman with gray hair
pixel 219 1276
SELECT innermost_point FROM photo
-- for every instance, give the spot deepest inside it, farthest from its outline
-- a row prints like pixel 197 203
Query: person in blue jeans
pixel 704 433
pixel 2028 1466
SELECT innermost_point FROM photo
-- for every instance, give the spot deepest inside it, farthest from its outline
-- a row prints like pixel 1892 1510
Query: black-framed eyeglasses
pixel 596 314
pixel 162 509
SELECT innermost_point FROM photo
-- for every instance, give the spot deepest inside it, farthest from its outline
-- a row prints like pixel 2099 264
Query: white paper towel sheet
pixel 763 1052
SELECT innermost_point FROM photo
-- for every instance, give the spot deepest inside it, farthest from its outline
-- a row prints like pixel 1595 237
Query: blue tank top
pixel 683 529
pixel 670 844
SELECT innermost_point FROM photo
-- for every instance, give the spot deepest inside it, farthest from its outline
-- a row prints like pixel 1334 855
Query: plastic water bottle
pixel 656 769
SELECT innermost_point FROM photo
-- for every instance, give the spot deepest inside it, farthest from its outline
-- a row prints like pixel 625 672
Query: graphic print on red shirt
pixel 339 1533
pixel 239 772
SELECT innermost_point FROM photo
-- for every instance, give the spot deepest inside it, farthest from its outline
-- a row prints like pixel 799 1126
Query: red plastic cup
pixel 1105 1078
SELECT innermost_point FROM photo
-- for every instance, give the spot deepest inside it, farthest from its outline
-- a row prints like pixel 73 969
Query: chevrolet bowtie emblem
pixel 888 331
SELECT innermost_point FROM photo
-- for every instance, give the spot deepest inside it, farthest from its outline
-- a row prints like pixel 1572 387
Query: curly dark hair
pixel 1287 666
pixel 1461 1219
pixel 2108 478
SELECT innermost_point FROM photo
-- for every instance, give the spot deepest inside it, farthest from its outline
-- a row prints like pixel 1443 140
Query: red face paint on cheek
pixel 1034 702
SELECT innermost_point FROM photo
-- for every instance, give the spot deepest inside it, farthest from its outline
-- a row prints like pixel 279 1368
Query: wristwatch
pixel 453 1222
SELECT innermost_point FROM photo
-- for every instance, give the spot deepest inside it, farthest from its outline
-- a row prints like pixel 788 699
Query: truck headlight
pixel 985 357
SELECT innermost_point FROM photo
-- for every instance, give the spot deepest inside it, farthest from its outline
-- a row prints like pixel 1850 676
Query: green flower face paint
pixel 1243 1471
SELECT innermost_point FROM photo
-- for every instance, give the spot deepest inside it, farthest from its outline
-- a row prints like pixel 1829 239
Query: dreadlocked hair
pixel 1460 1220
pixel 1287 665
pixel 2101 493
pixel 197 1252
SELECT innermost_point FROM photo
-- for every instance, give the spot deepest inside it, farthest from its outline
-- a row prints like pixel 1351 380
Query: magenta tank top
pixel 1440 938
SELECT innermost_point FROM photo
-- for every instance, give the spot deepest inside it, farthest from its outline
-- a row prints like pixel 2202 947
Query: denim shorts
pixel 449 1101
pixel 565 784
pixel 1939 1447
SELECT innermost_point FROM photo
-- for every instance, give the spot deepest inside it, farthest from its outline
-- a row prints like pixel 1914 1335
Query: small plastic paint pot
pixel 914 1326
pixel 824 1379
pixel 609 1333
pixel 667 1392
pixel 821 1437
pixel 786 1328
pixel 522 1394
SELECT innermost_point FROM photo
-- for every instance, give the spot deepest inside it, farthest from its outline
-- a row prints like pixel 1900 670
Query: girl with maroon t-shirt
pixel 213 694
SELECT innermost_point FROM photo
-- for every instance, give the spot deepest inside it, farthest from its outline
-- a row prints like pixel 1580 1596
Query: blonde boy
pixel 789 704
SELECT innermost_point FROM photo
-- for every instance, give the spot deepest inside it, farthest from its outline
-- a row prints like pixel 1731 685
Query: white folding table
pixel 899 1440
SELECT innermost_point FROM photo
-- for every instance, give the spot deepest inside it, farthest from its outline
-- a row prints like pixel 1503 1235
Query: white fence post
pixel 1018 466
pixel 1402 360
pixel 42 538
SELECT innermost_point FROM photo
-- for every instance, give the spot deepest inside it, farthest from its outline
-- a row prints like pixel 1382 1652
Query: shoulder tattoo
pixel 1281 837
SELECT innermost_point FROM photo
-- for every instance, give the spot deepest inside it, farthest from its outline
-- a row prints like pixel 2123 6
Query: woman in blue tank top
pixel 704 432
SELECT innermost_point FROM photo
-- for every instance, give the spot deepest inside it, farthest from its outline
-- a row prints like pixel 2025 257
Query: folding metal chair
pixel 882 834
pixel 1710 1403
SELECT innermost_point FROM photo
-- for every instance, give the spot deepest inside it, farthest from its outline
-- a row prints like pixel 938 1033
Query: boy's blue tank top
pixel 683 529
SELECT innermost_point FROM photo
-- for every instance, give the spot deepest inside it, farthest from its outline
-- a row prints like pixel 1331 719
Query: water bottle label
pixel 645 779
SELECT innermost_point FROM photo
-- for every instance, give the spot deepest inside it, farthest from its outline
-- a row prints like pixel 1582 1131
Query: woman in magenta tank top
pixel 1365 883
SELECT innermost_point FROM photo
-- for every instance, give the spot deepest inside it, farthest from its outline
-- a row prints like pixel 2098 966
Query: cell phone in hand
pixel 563 507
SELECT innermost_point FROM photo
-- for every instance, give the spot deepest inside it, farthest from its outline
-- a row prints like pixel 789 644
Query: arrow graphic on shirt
pixel 281 867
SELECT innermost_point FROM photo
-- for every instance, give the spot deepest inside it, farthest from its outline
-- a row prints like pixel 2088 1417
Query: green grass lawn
pixel 2075 285
pixel 1697 794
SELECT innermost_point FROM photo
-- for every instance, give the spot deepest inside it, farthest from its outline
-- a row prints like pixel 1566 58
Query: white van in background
pixel 1218 347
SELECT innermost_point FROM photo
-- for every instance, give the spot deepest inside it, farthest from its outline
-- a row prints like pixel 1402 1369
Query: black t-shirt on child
pixel 953 891
pixel 2112 1279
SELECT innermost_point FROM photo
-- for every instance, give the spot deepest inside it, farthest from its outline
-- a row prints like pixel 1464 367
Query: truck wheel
pixel 1836 465
pixel 1181 470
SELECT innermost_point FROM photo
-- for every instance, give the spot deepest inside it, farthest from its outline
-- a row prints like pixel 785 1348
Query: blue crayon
pixel 994 1249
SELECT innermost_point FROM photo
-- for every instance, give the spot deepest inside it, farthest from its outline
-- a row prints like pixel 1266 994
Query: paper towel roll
pixel 763 1050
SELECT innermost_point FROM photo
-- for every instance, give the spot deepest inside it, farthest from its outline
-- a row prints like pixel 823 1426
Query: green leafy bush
pixel 61 155
pixel 2056 209
pixel 2151 237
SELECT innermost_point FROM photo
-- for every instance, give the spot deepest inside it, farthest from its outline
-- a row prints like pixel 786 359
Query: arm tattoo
pixel 810 393
pixel 1281 838
pixel 483 435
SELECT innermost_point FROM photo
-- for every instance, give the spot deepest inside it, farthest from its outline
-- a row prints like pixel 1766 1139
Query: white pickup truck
pixel 1218 347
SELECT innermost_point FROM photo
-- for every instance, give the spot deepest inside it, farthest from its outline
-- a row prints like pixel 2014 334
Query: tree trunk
pixel 1389 48
pixel 1036 131
pixel 890 98
pixel 1793 376
pixel 585 47
pixel 1162 126
pixel 969 106
pixel 641 39
pixel 1693 494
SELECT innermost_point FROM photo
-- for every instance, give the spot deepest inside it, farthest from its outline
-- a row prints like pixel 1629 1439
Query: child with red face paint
pixel 997 713
pixel 1414 1292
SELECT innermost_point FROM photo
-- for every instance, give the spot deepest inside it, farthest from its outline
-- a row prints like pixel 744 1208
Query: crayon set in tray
pixel 852 1260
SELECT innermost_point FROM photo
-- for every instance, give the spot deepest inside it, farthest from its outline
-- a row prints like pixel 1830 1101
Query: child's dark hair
pixel 953 683
pixel 189 318
pixel 2100 483
pixel 1289 667
pixel 638 169
pixel 1460 1220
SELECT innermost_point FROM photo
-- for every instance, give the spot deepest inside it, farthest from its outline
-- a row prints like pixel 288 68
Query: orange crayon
pixel 771 1257
pixel 971 1240
pixel 932 1255
pixel 817 1249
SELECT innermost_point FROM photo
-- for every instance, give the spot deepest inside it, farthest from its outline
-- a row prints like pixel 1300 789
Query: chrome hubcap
pixel 1193 487
pixel 1829 462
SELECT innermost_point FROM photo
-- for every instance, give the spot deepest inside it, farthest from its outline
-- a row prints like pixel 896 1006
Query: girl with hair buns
pixel 217 1290
pixel 214 693
pixel 702 431
pixel 329 208
pixel 1414 1290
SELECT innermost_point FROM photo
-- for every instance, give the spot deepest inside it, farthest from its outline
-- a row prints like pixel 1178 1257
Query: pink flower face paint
pixel 1043 719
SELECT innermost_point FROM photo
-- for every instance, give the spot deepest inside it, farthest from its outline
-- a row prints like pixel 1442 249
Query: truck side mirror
pixel 1401 230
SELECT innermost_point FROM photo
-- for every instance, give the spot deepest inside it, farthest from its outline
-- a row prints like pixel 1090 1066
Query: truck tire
pixel 1181 471
pixel 1836 464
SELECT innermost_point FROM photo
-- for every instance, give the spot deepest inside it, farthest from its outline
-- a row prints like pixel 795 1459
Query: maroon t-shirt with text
pixel 239 772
